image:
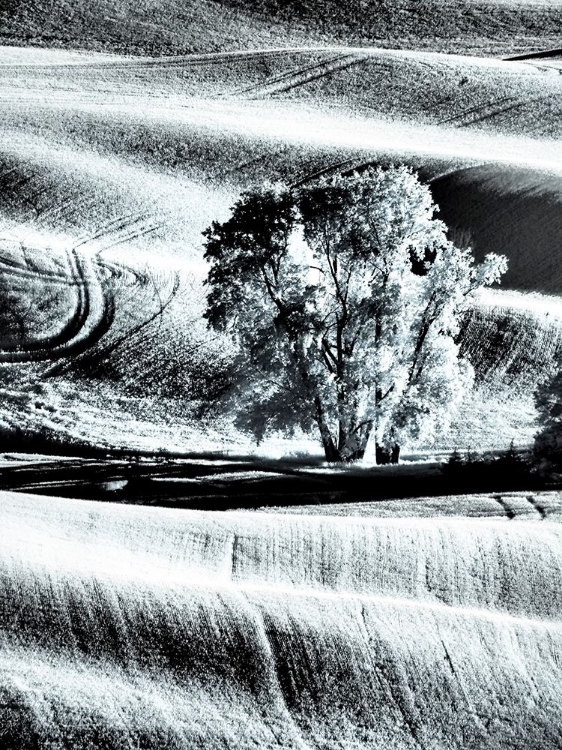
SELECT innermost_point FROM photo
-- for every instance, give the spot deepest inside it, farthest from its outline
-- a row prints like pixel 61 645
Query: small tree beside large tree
pixel 344 298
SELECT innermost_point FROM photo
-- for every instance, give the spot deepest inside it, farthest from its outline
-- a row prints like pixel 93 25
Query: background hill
pixel 511 211
pixel 156 27
pixel 170 143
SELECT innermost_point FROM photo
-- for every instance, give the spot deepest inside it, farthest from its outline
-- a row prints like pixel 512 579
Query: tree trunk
pixel 330 451
pixel 382 455
pixel 386 455
pixel 335 455
pixel 349 447
pixel 356 455
pixel 351 442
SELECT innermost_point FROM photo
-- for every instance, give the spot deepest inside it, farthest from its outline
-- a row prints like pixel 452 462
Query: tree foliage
pixel 344 299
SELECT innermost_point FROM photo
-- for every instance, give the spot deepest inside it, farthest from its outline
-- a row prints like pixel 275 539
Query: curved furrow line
pixel 54 277
pixel 45 279
pixel 133 233
pixel 82 309
pixel 94 308
pixel 104 351
pixel 92 328
pixel 501 111
pixel 33 352
pixel 345 64
pixel 110 228
pixel 90 319
pixel 289 75
pixel 302 76
pixel 99 345
pixel 489 110
pixel 128 275
pixel 477 110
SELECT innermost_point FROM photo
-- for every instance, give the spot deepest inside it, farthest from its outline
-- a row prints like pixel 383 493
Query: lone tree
pixel 344 298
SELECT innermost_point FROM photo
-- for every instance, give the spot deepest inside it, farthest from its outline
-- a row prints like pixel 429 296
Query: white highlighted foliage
pixel 344 298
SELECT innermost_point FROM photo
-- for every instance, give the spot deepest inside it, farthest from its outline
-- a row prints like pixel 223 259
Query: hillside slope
pixel 512 211
pixel 170 143
pixel 120 163
pixel 192 630
pixel 160 27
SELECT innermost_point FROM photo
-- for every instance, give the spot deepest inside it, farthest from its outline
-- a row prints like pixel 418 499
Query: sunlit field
pixel 165 581
pixel 169 628
pixel 113 166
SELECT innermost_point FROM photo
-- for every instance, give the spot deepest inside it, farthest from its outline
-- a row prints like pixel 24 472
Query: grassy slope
pixel 133 158
pixel 184 26
pixel 511 211
pixel 104 127
pixel 298 631
pixel 238 630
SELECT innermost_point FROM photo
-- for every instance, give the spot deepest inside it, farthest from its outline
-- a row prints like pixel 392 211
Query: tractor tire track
pixel 537 506
pixel 92 283
pixel 460 117
pixel 289 75
pixel 36 351
pixel 489 110
pixel 87 323
pixel 496 113
pixel 509 513
pixel 104 351
pixel 301 76
pixel 7 269
pixel 99 346
pixel 87 336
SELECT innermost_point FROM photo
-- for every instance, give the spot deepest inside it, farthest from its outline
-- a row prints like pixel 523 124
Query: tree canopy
pixel 344 298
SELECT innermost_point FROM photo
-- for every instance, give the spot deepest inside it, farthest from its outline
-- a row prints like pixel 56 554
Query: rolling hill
pixel 515 212
pixel 491 27
pixel 166 145
pixel 399 624
pixel 251 629
pixel 117 164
